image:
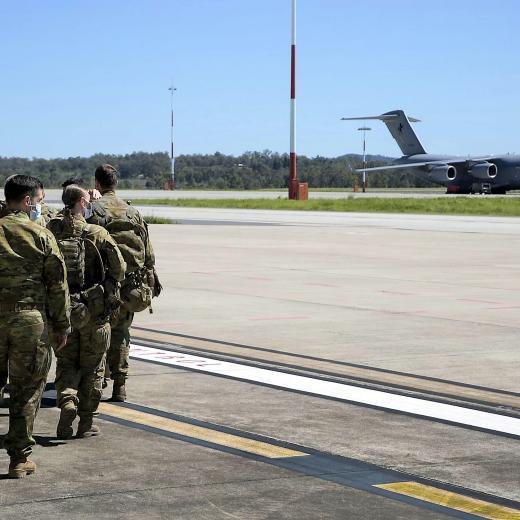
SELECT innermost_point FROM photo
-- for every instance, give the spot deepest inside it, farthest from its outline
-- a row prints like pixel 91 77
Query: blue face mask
pixel 88 211
pixel 36 211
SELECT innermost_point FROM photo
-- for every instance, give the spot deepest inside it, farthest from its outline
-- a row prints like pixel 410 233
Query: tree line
pixel 249 171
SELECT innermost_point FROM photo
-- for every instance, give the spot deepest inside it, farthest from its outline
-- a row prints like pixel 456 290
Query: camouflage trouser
pixel 80 367
pixel 119 350
pixel 3 375
pixel 25 349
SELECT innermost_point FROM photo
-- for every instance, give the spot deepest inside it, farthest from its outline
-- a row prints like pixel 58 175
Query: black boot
pixel 119 392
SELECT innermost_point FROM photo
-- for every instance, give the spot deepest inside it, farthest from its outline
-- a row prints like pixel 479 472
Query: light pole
pixel 364 129
pixel 293 175
pixel 172 89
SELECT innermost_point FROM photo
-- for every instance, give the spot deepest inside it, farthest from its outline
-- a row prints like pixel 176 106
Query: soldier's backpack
pixel 87 298
pixel 73 250
pixel 131 238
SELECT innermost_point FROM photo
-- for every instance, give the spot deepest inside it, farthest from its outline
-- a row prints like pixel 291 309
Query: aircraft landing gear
pixel 481 188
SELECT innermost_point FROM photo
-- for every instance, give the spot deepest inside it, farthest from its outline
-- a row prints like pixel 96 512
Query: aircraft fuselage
pixel 462 177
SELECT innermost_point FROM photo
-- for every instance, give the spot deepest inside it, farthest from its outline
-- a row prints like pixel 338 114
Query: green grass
pixel 158 220
pixel 374 190
pixel 490 205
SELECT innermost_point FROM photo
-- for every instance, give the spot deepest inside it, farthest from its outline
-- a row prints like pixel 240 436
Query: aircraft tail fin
pixel 399 126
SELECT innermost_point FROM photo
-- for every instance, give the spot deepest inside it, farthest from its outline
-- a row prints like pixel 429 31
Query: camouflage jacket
pixel 41 220
pixel 32 270
pixel 110 207
pixel 48 212
pixel 70 224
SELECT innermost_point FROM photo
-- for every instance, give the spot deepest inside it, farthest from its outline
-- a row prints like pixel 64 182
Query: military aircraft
pixel 487 174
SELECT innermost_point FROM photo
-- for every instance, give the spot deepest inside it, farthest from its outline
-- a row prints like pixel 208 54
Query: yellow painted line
pixel 198 432
pixel 453 500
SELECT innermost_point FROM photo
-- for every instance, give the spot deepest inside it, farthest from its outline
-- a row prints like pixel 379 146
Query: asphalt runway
pixel 275 376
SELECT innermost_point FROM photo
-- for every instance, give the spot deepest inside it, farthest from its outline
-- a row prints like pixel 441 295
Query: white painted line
pixel 400 403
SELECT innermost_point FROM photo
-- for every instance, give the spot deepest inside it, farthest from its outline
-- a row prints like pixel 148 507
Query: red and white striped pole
pixel 293 174
pixel 172 150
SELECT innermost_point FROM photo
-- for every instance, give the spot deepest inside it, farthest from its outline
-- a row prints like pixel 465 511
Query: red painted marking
pixel 399 313
pixel 276 318
pixel 453 188
pixel 509 307
pixel 477 301
pixel 396 292
pixel 292 166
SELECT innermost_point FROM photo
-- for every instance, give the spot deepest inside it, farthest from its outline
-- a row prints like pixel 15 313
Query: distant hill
pixel 251 170
pixel 359 158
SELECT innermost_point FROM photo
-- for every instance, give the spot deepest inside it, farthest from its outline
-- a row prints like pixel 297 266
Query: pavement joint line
pixel 488 401
pixel 325 360
pixel 349 307
pixel 451 500
pixel 76 496
pixel 493 423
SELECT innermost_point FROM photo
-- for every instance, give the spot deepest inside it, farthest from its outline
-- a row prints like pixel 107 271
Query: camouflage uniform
pixel 33 294
pixel 3 368
pixel 81 363
pixel 107 208
pixel 48 212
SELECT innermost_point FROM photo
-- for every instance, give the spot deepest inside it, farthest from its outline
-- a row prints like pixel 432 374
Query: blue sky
pixel 83 77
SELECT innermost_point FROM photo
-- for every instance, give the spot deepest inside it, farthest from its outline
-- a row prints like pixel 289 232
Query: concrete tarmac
pixel 436 299
pixel 54 195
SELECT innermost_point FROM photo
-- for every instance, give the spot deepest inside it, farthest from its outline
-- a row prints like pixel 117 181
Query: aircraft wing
pixel 403 166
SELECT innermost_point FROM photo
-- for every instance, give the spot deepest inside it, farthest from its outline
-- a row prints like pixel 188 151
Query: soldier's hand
pixel 157 287
pixel 94 194
pixel 60 340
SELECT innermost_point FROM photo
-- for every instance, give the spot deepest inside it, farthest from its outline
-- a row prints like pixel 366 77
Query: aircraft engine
pixel 442 173
pixel 484 171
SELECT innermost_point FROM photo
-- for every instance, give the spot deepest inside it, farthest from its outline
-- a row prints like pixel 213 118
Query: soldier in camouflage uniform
pixel 34 311
pixel 3 369
pixel 81 363
pixel 48 212
pixel 43 212
pixel 107 211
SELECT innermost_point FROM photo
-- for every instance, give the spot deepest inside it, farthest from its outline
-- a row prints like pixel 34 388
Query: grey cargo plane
pixel 488 174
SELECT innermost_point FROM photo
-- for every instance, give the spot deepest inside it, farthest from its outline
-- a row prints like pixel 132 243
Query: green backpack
pixel 73 250
pixel 130 238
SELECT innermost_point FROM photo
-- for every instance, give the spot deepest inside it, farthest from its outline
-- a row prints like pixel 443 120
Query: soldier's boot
pixel 119 392
pixel 67 416
pixel 20 467
pixel 87 429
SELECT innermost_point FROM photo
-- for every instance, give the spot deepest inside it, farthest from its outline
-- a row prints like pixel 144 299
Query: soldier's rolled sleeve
pixel 116 264
pixel 149 259
pixel 55 281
